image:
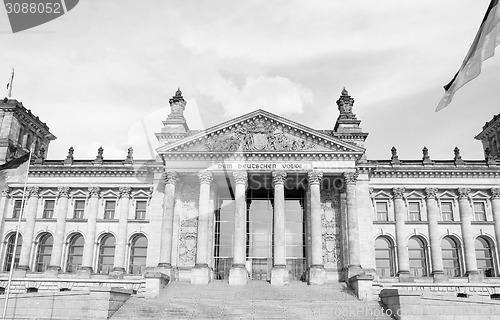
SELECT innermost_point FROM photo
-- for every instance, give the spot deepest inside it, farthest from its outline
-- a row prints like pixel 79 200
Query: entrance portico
pixel 263 198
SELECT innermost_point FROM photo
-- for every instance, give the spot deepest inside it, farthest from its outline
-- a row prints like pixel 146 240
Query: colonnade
pixel 466 218
pixel 61 209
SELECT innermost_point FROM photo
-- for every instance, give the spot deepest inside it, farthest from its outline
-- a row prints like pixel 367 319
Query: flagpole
pixel 9 85
pixel 9 282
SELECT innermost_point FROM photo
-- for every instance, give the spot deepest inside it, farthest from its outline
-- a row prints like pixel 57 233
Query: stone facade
pixel 257 197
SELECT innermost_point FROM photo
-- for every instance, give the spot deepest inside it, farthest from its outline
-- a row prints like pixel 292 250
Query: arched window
pixel 106 254
pixel 44 252
pixel 10 250
pixel 384 257
pixel 484 257
pixel 138 254
pixel 75 253
pixel 451 260
pixel 417 254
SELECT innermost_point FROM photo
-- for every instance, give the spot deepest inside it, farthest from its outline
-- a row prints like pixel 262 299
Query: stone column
pixel 170 179
pixel 57 249
pixel 402 243
pixel 495 206
pixel 90 240
pixel 279 273
pixel 317 273
pixel 4 200
pixel 121 237
pixel 29 228
pixel 465 210
pixel 354 267
pixel 200 274
pixel 434 238
pixel 238 274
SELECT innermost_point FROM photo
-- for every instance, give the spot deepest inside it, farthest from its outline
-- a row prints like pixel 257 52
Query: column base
pixel 279 276
pixel 317 275
pixel 52 272
pixel 475 276
pixel 238 276
pixel 117 273
pixel 404 276
pixel 200 274
pixel 354 270
pixel 84 272
pixel 439 276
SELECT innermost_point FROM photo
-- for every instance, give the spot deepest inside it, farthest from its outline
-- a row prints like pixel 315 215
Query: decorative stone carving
pixel 394 156
pixel 350 177
pixel 34 192
pixel 94 192
pixel 425 156
pixel 63 192
pixel 330 228
pixel 69 157
pixel 345 104
pixel 125 192
pixel 99 157
pixel 279 177
pixel 431 193
pixel 170 177
pixel 495 193
pixel 130 155
pixel 398 193
pixel 463 193
pixel 187 243
pixel 205 177
pixel 256 135
pixel 6 192
pixel 240 177
pixel 458 157
pixel 314 177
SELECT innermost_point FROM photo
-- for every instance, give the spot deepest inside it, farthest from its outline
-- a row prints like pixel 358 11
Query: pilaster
pixel 24 258
pixel 402 243
pixel 57 248
pixel 434 238
pixel 90 240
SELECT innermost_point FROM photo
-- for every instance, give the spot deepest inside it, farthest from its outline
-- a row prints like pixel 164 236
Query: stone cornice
pixel 260 156
pixel 110 168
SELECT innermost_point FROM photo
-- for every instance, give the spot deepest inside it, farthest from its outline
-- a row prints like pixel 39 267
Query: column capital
pixel 350 177
pixel 63 192
pixel 6 192
pixel 314 177
pixel 205 177
pixel 495 193
pixel 94 192
pixel 170 177
pixel 463 193
pixel 125 192
pixel 278 177
pixel 33 192
pixel 240 177
pixel 431 193
pixel 398 193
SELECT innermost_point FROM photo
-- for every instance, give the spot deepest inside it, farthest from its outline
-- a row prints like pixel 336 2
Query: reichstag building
pixel 256 198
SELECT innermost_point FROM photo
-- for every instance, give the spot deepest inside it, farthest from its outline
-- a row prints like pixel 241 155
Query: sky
pixel 102 74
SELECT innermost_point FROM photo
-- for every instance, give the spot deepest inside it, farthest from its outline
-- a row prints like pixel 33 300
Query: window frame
pixel 452 212
pixel 15 213
pixel 48 214
pixel 143 213
pixel 133 256
pixel 410 213
pixel 40 264
pixel 379 215
pixel 70 256
pixel 107 210
pixel 75 216
pixel 484 214
pixel 390 250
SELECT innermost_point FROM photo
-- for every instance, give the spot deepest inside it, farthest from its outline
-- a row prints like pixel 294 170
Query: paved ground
pixel 257 300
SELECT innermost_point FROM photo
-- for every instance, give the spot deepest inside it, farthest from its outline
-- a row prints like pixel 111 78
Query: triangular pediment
pixel 261 132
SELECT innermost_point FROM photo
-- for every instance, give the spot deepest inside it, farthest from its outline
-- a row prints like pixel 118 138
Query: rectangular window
pixel 414 211
pixel 109 210
pixel 140 210
pixel 479 211
pixel 447 211
pixel 382 212
pixel 48 209
pixel 17 209
pixel 79 209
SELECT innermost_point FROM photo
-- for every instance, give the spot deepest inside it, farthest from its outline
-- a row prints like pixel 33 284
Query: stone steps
pixel 257 300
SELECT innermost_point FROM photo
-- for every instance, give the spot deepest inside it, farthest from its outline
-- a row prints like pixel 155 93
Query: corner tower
pixel 490 137
pixel 347 126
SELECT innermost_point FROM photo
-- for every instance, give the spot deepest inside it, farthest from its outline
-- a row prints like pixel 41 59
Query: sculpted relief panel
pixel 188 225
pixel 331 230
pixel 257 135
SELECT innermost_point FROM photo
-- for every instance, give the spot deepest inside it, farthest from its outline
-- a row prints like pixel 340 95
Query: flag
pixel 9 85
pixel 483 47
pixel 14 171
